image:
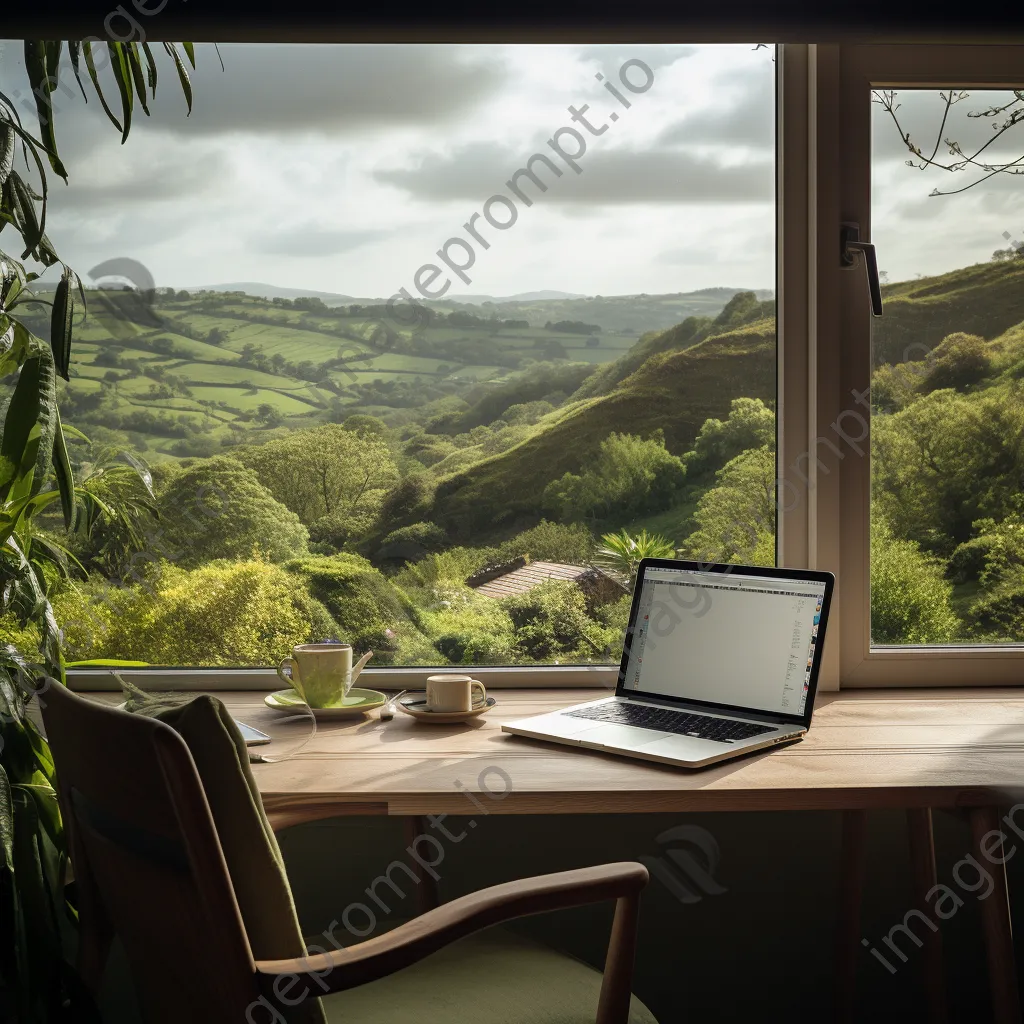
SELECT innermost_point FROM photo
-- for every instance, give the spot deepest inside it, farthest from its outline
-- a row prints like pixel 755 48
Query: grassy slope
pixel 986 299
pixel 672 391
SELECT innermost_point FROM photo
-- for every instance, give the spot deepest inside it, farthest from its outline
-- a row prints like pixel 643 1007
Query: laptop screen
pixel 726 638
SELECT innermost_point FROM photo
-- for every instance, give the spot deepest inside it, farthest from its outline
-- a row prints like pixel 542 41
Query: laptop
pixel 719 661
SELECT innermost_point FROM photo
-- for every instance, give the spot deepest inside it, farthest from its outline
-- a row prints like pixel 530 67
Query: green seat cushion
pixel 493 977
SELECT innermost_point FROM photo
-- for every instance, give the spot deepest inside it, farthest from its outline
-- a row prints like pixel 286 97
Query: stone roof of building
pixel 526 577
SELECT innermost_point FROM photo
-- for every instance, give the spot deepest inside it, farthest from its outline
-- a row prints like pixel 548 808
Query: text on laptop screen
pixel 747 641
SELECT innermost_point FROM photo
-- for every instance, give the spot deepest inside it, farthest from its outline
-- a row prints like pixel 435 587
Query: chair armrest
pixel 378 957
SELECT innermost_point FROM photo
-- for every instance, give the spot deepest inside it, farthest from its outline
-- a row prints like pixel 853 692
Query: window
pixel 419 347
pixel 933 565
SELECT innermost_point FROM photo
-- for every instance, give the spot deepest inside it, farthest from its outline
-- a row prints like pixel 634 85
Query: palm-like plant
pixel 35 476
pixel 620 553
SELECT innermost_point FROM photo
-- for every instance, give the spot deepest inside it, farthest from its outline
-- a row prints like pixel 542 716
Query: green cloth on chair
pixel 250 848
pixel 493 977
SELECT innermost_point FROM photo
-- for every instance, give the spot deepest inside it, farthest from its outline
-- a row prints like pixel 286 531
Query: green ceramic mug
pixel 322 674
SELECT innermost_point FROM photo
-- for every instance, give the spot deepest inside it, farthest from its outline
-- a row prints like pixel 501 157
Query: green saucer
pixel 357 703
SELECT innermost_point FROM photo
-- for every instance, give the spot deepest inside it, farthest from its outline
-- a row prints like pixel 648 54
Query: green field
pixel 262 366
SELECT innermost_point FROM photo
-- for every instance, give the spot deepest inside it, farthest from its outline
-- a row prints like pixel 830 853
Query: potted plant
pixel 36 981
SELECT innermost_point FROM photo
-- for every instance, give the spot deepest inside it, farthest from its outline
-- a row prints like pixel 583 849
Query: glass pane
pixel 423 346
pixel 947 433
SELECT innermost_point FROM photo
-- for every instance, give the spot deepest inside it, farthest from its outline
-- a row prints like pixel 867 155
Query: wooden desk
pixel 910 749
pixel 867 749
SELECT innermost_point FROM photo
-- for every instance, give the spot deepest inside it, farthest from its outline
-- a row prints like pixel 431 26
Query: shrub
pixel 468 629
pixel 340 529
pixel 224 613
pixel 551 624
pixel 368 611
pixel 958 362
pixel 413 542
pixel 910 598
pixel 968 560
pixel 217 508
pixel 550 542
pixel 895 387
pixel 999 614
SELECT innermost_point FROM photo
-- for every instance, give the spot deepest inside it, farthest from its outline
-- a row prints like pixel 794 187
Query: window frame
pixel 796 69
pixel 844 101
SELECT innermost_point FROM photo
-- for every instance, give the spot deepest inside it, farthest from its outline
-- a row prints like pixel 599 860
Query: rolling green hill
pixel 674 391
pixel 986 299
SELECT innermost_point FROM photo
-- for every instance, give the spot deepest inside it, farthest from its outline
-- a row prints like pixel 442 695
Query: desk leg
pixel 427 896
pixel 851 888
pixel 995 917
pixel 922 865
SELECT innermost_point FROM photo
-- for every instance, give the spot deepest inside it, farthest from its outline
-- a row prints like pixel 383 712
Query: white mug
pixel 448 694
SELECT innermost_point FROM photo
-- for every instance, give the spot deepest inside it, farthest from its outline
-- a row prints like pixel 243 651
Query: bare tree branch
pixel 1011 113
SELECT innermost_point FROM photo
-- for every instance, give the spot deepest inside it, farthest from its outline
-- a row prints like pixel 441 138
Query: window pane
pixel 947 533
pixel 423 346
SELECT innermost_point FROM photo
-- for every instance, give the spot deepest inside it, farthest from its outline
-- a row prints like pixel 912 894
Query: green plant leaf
pixel 107 663
pixel 65 477
pixel 190 50
pixel 15 344
pixel 121 69
pixel 36 897
pixel 138 75
pixel 6 820
pixel 61 319
pixel 186 83
pixel 150 68
pixel 74 432
pixel 41 63
pixel 23 207
pixel 90 63
pixel 75 52
pixel 17 443
pixel 8 145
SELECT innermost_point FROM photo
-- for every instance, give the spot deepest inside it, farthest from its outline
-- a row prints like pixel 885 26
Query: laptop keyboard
pixel 705 727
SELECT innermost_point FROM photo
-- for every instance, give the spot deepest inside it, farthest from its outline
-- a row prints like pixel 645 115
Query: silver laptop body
pixel 718 661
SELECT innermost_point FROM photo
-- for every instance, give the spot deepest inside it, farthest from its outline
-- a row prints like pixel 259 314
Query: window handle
pixel 849 245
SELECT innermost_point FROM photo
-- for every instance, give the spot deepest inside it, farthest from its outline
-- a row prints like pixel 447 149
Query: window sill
pixel 233 679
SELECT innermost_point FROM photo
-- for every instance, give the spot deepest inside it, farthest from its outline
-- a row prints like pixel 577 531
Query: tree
pixel 910 598
pixel 325 471
pixel 620 553
pixel 750 424
pixel 736 518
pixel 946 461
pixel 631 476
pixel 218 508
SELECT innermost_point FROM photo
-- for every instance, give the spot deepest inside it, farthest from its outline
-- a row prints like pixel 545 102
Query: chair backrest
pixel 146 855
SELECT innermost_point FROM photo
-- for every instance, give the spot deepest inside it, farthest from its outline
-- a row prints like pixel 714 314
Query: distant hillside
pixel 273 291
pixel 986 299
pixel 543 295
pixel 741 308
pixel 673 391
pixel 624 314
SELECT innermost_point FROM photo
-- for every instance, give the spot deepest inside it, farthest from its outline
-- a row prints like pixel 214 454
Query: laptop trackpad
pixel 627 736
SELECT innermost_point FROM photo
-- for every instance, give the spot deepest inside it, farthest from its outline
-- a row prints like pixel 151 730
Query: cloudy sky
pixel 345 168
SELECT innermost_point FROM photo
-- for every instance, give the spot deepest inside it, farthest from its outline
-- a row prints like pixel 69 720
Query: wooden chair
pixel 152 869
